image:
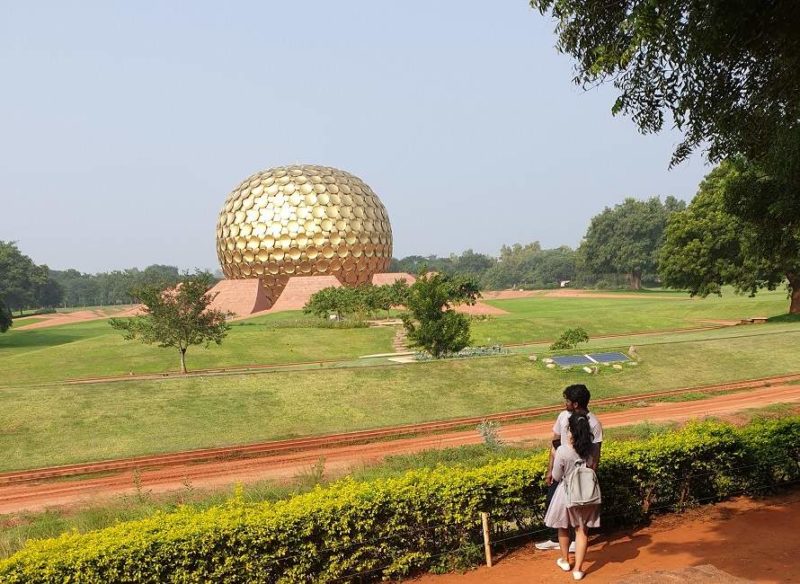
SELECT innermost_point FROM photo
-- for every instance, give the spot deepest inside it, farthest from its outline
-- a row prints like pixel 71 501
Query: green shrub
pixel 569 339
pixel 426 519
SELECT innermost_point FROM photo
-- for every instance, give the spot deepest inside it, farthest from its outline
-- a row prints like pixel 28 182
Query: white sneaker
pixel 546 545
pixel 577 575
pixel 572 547
pixel 563 564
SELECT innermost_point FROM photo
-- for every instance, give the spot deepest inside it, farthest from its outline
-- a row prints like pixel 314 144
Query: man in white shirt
pixel 576 399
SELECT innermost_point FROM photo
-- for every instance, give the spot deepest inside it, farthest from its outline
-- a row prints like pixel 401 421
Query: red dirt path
pixel 59 318
pixel 752 539
pixel 42 494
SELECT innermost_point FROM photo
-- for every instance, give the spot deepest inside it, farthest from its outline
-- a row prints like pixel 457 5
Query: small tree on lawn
pixel 431 322
pixel 177 317
pixel 569 339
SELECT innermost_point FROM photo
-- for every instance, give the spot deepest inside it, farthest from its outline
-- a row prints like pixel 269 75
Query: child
pixel 560 516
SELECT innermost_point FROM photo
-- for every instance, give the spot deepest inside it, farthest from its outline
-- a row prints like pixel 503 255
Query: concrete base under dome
pixel 247 296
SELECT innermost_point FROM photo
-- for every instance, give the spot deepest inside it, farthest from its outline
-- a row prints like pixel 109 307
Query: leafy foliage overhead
pixel 725 72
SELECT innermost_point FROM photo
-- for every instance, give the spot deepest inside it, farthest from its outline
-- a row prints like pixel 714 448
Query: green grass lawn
pixel 538 317
pixel 94 349
pixel 58 424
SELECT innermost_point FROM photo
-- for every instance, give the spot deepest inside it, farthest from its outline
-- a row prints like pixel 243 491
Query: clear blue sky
pixel 126 124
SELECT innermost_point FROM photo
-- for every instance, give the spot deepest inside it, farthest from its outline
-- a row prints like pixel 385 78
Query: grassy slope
pixel 545 318
pixel 61 424
pixel 94 349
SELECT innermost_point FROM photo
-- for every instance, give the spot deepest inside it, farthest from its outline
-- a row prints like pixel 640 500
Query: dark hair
pixel 581 434
pixel 579 394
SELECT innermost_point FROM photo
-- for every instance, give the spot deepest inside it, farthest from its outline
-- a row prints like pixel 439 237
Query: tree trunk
pixel 794 292
pixel 635 279
pixel 183 360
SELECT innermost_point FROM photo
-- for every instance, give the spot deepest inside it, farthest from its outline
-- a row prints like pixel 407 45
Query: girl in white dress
pixel 560 516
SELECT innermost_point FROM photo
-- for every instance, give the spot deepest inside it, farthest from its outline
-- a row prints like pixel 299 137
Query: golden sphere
pixel 303 220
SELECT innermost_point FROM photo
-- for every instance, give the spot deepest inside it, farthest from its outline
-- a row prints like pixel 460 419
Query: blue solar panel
pixel 609 357
pixel 572 360
pixel 569 360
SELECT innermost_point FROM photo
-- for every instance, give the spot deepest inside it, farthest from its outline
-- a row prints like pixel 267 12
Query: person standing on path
pixel 576 399
pixel 563 515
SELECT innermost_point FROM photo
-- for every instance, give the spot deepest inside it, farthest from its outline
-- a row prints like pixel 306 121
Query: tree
pixel 398 292
pixel 472 265
pixel 176 317
pixel 725 72
pixel 20 278
pixel 5 317
pixel 431 322
pixel 707 246
pixel 111 287
pixel 341 301
pixel 50 294
pixel 530 266
pixel 570 338
pixel 626 239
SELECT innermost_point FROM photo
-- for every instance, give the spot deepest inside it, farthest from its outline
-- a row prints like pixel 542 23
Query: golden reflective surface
pixel 303 220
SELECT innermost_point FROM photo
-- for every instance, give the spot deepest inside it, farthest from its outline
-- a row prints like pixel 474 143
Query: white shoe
pixel 578 575
pixel 547 545
pixel 563 564
pixel 572 547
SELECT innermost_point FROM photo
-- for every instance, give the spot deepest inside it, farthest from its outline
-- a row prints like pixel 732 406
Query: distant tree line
pixel 108 288
pixel 620 249
pixel 25 285
pixel 518 266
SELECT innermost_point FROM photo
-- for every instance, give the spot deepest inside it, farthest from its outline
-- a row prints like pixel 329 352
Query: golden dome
pixel 303 220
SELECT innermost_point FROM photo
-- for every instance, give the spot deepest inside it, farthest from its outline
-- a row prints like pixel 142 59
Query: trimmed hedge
pixel 423 520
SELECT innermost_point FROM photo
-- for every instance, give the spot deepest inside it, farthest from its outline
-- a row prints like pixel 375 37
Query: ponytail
pixel 581 435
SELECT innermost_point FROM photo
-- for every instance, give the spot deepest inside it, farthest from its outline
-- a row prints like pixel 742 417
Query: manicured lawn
pixel 539 318
pixel 93 349
pixel 58 424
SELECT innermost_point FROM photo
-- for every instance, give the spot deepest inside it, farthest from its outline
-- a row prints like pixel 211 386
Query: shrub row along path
pixel 156 474
pixel 742 540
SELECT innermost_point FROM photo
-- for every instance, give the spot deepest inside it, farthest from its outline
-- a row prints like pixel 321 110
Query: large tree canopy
pixel 626 239
pixel 23 284
pixel 706 246
pixel 725 72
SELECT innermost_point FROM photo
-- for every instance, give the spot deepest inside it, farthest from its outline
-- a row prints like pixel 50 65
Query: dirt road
pixel 751 539
pixel 38 495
